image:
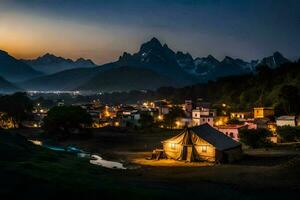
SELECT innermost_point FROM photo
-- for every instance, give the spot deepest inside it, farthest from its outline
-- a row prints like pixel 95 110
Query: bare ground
pixel 261 170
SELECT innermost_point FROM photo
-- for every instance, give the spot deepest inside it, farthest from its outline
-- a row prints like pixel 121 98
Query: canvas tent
pixel 201 143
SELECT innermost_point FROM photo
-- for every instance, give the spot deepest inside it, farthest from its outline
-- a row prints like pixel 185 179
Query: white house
pixel 286 121
pixel 130 118
pixel 202 116
pixel 231 130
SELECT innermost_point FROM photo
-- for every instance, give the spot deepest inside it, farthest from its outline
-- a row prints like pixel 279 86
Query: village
pixel 191 131
pixel 190 114
pixel 193 143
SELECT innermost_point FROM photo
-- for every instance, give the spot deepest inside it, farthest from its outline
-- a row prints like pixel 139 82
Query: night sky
pixel 103 29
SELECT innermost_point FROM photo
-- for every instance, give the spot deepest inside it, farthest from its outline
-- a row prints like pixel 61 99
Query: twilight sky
pixel 104 29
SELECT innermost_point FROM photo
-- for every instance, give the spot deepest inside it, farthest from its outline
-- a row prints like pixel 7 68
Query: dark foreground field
pixel 32 172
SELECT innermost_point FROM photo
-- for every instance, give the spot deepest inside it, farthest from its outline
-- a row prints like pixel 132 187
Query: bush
pixel 235 121
pixel 289 134
pixel 174 114
pixel 255 138
pixel 146 120
pixel 62 121
pixel 17 107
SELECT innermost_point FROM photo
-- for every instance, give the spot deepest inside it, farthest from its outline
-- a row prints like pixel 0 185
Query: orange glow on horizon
pixel 28 37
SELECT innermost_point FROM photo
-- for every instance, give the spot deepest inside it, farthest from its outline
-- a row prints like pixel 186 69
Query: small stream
pixel 94 159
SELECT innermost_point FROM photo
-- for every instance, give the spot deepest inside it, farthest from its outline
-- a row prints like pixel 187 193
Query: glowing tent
pixel 202 143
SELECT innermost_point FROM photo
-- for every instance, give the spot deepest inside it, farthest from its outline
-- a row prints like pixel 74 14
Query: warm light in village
pixel 36 142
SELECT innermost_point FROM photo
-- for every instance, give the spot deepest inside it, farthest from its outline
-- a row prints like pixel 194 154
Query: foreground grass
pixel 32 172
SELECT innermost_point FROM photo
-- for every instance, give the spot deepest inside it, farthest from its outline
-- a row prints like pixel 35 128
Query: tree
pixel 44 102
pixel 16 106
pixel 289 99
pixel 289 134
pixel 255 138
pixel 146 120
pixel 63 119
pixel 174 114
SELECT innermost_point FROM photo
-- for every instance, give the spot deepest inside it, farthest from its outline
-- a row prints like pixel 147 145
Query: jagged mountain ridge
pixel 50 63
pixel 210 68
pixel 159 58
pixel 14 70
pixel 179 69
pixel 162 59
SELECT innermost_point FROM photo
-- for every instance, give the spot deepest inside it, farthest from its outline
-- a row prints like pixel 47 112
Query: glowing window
pixel 173 146
pixel 203 149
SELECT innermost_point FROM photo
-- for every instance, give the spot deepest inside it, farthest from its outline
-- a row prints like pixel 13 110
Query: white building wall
pixel 285 123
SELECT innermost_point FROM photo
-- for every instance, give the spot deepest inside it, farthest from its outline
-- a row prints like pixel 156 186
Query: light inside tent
pixel 173 146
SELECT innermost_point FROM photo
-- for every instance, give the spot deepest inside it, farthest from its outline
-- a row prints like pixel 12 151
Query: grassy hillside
pixel 32 172
pixel 125 79
pixel 265 88
pixel 65 80
pixel 6 86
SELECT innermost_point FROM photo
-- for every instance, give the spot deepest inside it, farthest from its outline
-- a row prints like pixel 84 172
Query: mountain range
pixel 153 66
pixel 14 70
pixel 50 63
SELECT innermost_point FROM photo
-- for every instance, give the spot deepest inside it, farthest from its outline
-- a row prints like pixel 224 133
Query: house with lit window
pixel 263 112
pixel 202 116
pixel 202 143
pixel 220 120
pixel 239 115
pixel 183 122
pixel 231 130
pixel 130 118
pixel 286 121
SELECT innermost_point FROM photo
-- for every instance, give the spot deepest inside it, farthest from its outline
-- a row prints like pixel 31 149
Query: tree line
pixel 278 88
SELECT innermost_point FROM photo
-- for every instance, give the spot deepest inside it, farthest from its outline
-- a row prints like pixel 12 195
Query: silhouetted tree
pixel 63 120
pixel 146 120
pixel 255 137
pixel 16 106
pixel 289 134
pixel 234 121
pixel 289 99
pixel 174 114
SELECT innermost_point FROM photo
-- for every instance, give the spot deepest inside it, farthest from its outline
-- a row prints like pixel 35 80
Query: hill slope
pixel 14 70
pixel 6 86
pixel 50 63
pixel 126 78
pixel 267 87
pixel 65 80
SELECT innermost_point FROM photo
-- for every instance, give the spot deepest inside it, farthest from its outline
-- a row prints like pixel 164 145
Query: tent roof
pixel 183 138
pixel 214 137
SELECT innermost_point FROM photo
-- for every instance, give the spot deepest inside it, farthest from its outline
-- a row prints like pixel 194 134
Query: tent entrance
pixel 187 153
